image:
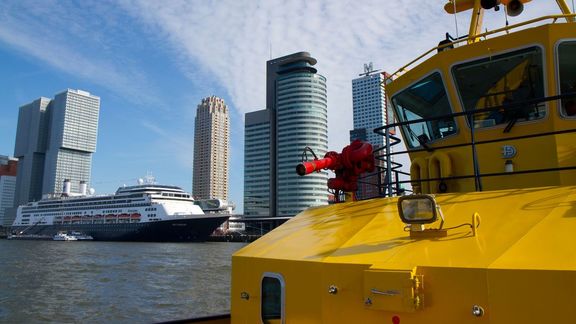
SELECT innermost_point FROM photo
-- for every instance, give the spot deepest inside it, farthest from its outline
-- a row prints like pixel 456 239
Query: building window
pixel 273 290
pixel 567 71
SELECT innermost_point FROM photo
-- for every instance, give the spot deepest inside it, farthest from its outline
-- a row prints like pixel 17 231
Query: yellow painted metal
pixel 455 6
pixel 559 148
pixel 524 237
pixel 393 291
pixel 355 262
pixel 565 9
pixel 475 22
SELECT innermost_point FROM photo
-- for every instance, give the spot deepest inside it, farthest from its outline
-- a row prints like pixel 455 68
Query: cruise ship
pixel 144 212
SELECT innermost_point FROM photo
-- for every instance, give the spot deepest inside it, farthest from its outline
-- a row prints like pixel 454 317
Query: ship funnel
pixel 66 188
pixel 514 8
pixel 83 188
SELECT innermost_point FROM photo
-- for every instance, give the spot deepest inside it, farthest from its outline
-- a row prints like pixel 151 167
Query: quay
pixel 248 228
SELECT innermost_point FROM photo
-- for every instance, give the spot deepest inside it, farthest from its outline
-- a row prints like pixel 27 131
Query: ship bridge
pixel 482 115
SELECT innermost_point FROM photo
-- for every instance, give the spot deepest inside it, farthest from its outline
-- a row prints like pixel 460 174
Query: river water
pixel 112 282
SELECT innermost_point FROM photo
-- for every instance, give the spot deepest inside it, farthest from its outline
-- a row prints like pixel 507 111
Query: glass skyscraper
pixel 55 140
pixel 295 117
pixel 257 157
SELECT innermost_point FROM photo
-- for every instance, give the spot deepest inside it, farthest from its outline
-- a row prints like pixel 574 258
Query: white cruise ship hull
pixel 191 229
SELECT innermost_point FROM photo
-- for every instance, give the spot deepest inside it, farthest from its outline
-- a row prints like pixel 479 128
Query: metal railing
pixel 389 188
pixel 443 46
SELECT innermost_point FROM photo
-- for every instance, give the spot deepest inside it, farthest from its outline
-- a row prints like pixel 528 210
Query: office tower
pixel 257 157
pixel 369 112
pixel 369 105
pixel 8 167
pixel 211 150
pixel 295 117
pixel 55 140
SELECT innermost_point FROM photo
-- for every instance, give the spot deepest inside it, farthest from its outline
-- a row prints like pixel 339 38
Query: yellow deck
pixel 355 262
pixel 522 255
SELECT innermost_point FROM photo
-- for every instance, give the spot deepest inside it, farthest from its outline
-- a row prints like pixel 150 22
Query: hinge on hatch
pixel 393 290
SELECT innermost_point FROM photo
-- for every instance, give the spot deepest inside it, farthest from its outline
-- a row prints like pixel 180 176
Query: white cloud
pixel 226 43
pixel 76 40
pixel 231 41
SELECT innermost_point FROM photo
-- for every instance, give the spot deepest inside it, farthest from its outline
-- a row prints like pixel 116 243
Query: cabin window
pixel 425 99
pixel 272 307
pixel 513 82
pixel 567 72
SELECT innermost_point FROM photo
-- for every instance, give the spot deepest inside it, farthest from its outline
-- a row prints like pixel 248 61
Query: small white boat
pixel 80 236
pixel 61 236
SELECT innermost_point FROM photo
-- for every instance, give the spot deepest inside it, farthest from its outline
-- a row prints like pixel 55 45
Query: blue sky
pixel 151 63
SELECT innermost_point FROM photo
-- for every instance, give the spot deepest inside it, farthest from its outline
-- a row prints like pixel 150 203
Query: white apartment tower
pixel 369 105
pixel 211 150
pixel 369 112
pixel 55 140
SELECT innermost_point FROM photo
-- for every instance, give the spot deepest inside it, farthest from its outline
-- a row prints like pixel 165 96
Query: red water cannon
pixel 354 160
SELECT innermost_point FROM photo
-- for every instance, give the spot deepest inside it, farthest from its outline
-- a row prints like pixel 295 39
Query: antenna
pixel 456 19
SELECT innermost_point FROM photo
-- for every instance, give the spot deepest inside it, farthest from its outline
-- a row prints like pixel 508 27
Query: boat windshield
pixel 504 81
pixel 425 99
pixel 567 70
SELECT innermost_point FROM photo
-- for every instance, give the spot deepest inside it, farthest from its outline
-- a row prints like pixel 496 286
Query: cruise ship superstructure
pixel 144 212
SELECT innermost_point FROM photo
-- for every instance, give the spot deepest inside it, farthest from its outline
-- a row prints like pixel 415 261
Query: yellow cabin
pixel 488 235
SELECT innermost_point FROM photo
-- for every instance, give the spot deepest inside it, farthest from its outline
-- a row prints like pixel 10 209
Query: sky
pixel 152 62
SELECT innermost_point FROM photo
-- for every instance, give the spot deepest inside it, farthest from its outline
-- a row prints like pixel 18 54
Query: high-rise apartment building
pixel 296 116
pixel 369 112
pixel 369 106
pixel 211 150
pixel 55 140
pixel 8 167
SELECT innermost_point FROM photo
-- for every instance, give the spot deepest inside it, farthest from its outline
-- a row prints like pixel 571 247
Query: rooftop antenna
pixel 368 69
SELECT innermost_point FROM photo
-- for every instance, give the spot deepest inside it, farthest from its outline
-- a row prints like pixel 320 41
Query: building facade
pixel 295 118
pixel 55 140
pixel 211 150
pixel 369 108
pixel 8 169
pixel 257 156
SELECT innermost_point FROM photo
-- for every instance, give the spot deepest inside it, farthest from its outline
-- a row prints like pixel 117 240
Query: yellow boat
pixel 489 233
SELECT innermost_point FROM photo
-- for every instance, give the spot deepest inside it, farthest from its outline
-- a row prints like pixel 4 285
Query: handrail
pixel 554 18
pixel 384 131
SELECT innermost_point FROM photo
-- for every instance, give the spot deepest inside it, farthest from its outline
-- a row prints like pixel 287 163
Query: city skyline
pixel 149 61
